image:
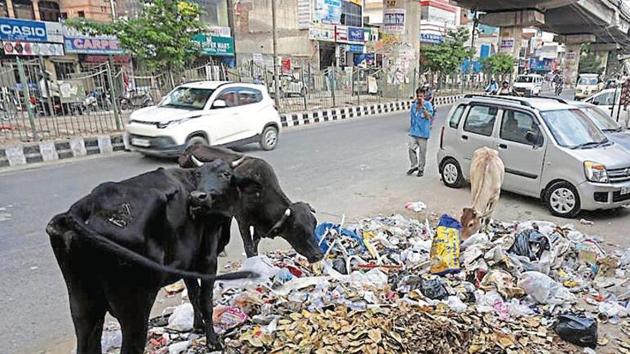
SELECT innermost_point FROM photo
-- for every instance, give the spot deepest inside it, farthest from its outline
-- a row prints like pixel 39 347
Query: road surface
pixel 354 168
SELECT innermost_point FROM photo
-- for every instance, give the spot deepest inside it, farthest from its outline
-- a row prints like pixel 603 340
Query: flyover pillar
pixel 602 50
pixel 511 24
pixel 571 60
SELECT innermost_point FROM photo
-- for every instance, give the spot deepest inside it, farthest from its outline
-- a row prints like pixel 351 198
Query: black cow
pixel 269 212
pixel 120 244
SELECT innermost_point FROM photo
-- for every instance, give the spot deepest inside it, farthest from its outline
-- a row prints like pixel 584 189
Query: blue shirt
pixel 420 126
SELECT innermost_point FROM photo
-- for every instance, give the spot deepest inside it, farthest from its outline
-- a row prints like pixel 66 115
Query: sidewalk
pixel 20 154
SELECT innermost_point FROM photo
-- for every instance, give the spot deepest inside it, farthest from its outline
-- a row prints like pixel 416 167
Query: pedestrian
pixel 421 119
pixel 492 88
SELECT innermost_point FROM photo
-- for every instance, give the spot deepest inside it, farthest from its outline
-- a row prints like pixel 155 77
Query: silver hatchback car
pixel 550 148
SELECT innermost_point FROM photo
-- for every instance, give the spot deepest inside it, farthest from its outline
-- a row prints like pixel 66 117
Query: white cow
pixel 486 178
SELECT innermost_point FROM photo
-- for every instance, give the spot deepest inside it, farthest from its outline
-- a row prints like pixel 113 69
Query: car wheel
pixel 563 200
pixel 269 138
pixel 451 173
pixel 196 140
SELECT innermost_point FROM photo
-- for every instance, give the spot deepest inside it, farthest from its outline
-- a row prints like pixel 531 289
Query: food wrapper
pixel 444 253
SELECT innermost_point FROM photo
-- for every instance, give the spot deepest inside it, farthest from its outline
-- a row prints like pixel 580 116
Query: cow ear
pixel 246 184
pixel 312 209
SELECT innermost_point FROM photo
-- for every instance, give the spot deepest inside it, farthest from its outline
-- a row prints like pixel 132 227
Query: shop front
pixel 218 44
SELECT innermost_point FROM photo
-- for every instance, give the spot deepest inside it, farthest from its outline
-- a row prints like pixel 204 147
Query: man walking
pixel 420 129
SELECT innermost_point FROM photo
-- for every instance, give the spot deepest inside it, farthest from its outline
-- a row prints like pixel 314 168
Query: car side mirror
pixel 219 104
pixel 534 138
pixel 595 103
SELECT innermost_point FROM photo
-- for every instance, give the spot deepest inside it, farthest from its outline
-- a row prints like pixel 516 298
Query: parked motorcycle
pixel 97 100
pixel 135 100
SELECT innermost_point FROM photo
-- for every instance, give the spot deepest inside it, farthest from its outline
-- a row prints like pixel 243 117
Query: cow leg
pixel 248 242
pixel 256 240
pixel 87 305
pixel 209 266
pixel 131 305
pixel 194 294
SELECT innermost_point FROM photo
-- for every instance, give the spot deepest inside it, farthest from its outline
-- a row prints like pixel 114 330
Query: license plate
pixel 140 142
pixel 625 190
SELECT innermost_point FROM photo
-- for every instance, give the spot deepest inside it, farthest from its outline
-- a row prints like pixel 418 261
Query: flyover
pixel 604 23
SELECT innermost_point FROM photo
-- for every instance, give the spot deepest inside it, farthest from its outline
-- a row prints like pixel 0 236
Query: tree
pixel 160 38
pixel 589 63
pixel 448 56
pixel 500 64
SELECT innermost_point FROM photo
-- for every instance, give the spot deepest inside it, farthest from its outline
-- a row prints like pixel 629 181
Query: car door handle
pixel 502 146
pixel 465 137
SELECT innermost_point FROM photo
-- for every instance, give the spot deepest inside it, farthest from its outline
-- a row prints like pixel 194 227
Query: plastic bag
pixel 445 247
pixel 178 348
pixel 182 318
pixel 455 304
pixel 415 206
pixel 531 244
pixel 543 289
pixel 578 330
pixel 434 289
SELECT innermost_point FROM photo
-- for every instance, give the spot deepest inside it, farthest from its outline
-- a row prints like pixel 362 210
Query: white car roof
pixel 213 85
pixel 539 103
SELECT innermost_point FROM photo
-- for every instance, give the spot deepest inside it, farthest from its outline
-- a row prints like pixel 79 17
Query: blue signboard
pixel 355 34
pixel 355 48
pixel 485 51
pixel 30 31
pixel 367 59
pixel 431 38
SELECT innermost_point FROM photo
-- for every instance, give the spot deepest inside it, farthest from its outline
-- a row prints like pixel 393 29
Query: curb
pixel 53 150
pixel 331 114
pixel 44 151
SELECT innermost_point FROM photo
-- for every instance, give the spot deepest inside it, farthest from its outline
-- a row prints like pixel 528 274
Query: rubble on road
pixel 393 284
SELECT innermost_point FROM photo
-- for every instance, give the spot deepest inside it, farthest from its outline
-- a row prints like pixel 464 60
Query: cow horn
pixel 237 162
pixel 195 161
pixel 275 228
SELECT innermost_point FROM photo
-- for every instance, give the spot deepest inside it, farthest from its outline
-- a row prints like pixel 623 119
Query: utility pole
pixel 472 42
pixel 112 4
pixel 230 11
pixel 276 82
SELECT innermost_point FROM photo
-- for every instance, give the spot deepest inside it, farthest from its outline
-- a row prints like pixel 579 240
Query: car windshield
pixel 524 79
pixel 587 81
pixel 573 129
pixel 601 119
pixel 187 98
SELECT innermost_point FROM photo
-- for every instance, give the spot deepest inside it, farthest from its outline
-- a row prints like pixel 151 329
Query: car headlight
pixel 595 172
pixel 171 123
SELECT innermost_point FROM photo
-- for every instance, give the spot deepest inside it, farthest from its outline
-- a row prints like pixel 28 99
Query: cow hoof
pixel 213 343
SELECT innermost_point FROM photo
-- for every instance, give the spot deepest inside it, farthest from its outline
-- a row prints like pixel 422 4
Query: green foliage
pixel 161 37
pixel 589 63
pixel 498 64
pixel 448 56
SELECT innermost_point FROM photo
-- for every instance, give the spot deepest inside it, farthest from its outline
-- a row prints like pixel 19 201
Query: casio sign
pixel 22 31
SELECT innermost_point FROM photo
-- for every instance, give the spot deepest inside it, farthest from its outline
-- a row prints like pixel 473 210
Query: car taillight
pixel 442 138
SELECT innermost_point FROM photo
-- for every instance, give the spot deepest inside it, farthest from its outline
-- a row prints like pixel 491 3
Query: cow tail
pixel 116 249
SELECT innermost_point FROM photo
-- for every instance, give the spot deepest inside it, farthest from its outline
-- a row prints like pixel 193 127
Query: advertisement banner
pixel 394 21
pixel 215 45
pixel 35 49
pixel 356 34
pixel 93 45
pixel 12 29
pixel 367 59
pixel 285 65
pixel 322 33
pixel 328 11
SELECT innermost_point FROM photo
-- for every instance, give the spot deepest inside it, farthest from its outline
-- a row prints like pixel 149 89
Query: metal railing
pixel 34 107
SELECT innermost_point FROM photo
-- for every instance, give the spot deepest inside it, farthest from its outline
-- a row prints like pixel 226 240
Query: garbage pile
pixel 393 284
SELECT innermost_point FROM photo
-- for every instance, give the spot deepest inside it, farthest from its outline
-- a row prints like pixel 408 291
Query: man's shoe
pixel 420 173
pixel 411 171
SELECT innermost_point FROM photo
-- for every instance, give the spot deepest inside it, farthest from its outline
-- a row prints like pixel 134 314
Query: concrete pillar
pixel 571 60
pixel 512 24
pixel 510 40
pixel 401 60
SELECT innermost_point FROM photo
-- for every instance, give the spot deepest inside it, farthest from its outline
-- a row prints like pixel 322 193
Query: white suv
pixel 206 112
